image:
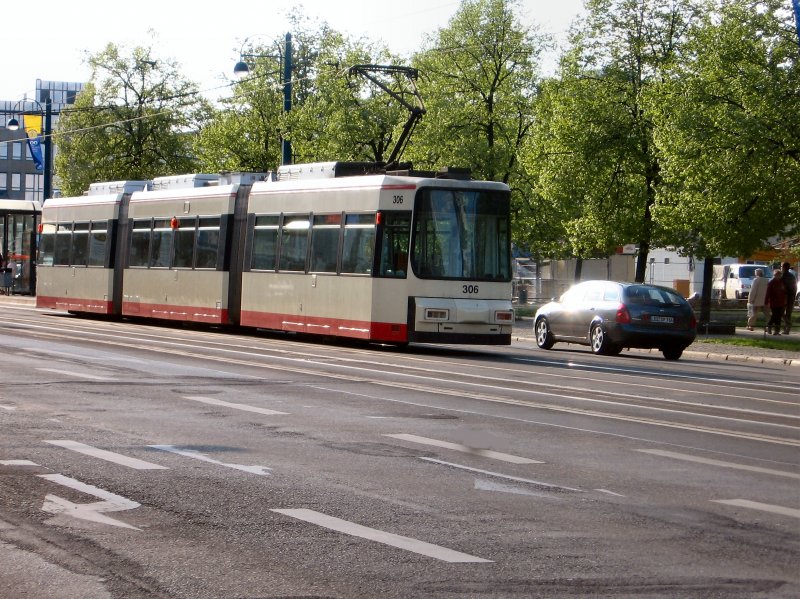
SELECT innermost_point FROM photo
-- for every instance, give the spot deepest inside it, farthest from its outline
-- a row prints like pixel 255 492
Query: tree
pixel 132 121
pixel 592 155
pixel 334 116
pixel 728 130
pixel 478 79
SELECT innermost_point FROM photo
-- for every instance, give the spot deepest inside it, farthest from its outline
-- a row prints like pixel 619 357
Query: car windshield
pixel 645 294
pixel 749 272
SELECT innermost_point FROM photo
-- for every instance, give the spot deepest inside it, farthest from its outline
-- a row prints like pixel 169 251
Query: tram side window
pixel 208 237
pixel 265 242
pixel 358 247
pixel 63 244
pixel 98 243
pixel 80 244
pixel 325 242
pixel 294 242
pixel 140 243
pixel 184 243
pixel 161 244
pixel 47 245
pixel 395 234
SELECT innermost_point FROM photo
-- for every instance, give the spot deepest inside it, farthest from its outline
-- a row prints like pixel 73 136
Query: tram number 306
pixel 397 199
pixel 469 289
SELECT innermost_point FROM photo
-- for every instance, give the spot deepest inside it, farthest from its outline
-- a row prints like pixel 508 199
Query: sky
pixel 205 38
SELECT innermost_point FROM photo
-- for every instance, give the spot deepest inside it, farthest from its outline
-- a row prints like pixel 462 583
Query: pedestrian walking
pixel 790 284
pixel 756 299
pixel 776 300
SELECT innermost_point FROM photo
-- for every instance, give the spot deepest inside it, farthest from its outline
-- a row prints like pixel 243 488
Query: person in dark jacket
pixel 790 284
pixel 776 300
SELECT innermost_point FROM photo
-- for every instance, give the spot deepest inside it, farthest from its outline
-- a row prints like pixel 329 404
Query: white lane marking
pixel 108 456
pixel 764 507
pixel 236 406
pixel 9 408
pixel 379 536
pixel 607 492
pixel 79 375
pixel 196 455
pixel 93 512
pixel 486 453
pixel 487 485
pixel 499 475
pixel 710 462
pixel 17 463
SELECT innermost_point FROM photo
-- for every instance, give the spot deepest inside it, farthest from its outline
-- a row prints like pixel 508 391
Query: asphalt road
pixel 142 461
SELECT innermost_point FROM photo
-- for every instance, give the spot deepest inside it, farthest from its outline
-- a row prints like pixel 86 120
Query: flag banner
pixel 796 4
pixel 33 131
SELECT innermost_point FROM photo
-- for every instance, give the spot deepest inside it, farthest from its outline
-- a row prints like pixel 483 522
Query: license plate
pixel 666 319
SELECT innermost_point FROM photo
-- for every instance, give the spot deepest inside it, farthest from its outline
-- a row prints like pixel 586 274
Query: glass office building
pixel 19 178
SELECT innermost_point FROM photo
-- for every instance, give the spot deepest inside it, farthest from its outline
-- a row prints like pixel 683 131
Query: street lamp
pixel 241 69
pixel 13 125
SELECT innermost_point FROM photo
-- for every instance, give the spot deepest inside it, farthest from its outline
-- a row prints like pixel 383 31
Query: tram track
pixel 483 385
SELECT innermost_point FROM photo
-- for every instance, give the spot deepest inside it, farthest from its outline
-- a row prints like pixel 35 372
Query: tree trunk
pixel 705 300
pixel 578 269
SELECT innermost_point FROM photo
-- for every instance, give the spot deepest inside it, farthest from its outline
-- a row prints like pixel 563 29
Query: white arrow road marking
pixel 9 408
pixel 387 538
pixel 92 512
pixel 499 475
pixel 108 456
pixel 486 453
pixel 196 455
pixel 699 460
pixel 764 507
pixel 236 406
pixel 487 485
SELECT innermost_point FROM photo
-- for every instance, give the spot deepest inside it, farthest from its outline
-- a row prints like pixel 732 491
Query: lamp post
pixel 241 69
pixel 47 111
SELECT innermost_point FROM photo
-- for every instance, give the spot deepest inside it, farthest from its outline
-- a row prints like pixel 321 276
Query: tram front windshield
pixel 462 235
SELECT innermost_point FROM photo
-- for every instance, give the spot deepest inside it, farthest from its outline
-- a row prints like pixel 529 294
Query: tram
pixel 334 249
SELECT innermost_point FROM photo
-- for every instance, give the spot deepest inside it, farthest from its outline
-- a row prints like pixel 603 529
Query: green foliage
pixel 132 121
pixel 728 128
pixel 591 152
pixel 478 79
pixel 333 116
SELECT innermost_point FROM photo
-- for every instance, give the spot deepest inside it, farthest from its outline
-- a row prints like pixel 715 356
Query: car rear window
pixel 644 294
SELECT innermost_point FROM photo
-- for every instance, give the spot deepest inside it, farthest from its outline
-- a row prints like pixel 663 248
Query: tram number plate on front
pixel 665 319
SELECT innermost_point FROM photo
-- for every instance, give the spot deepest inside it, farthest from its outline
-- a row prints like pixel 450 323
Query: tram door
pixel 17 235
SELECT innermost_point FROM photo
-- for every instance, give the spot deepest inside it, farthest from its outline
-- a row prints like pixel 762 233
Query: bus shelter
pixel 19 224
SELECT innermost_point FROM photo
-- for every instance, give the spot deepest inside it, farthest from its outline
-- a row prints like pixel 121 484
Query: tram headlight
pixel 437 314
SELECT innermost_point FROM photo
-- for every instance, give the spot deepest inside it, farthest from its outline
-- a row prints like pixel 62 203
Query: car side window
pixel 611 294
pixel 573 296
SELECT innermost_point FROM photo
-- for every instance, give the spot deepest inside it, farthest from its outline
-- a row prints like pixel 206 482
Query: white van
pixel 733 281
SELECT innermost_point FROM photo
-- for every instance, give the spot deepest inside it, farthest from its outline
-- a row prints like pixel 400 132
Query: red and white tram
pixel 317 248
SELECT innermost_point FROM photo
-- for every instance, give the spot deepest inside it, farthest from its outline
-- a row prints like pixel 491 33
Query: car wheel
pixel 599 341
pixel 544 337
pixel 672 353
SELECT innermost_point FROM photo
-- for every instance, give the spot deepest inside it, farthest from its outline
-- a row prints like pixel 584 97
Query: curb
pixel 704 355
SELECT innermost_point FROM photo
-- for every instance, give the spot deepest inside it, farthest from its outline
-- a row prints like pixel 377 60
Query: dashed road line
pixel 108 456
pixel 486 453
pixel 236 406
pixel 764 507
pixel 380 536
pixel 80 375
pixel 710 462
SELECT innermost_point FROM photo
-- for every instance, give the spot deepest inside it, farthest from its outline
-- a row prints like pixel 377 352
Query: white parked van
pixel 733 281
